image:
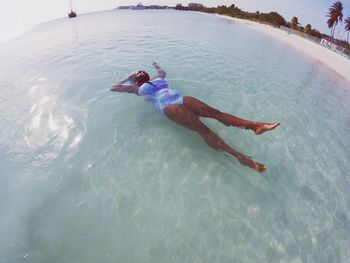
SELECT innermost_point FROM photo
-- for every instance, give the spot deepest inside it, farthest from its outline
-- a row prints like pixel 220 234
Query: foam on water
pixel 88 175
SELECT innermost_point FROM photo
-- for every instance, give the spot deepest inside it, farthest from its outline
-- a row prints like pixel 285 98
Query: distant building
pixel 337 48
pixel 181 7
pixel 327 43
pixel 195 6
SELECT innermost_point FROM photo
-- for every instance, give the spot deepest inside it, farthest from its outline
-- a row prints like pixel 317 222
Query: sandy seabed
pixel 333 60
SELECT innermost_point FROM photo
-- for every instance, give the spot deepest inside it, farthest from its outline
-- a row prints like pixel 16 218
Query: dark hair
pixel 141 77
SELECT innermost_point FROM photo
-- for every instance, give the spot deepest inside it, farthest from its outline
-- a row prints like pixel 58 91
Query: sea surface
pixel 89 175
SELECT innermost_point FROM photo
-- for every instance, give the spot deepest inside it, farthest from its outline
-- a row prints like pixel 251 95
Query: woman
pixel 186 111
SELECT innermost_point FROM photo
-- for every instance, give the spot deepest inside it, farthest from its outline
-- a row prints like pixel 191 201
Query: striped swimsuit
pixel 158 92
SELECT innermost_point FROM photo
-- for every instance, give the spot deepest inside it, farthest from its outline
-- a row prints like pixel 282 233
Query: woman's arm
pixel 128 78
pixel 129 88
pixel 161 73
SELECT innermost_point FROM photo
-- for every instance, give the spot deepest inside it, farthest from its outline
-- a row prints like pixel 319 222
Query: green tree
pixel 257 13
pixel 307 29
pixel 233 10
pixel 315 33
pixel 273 18
pixel 347 27
pixel 294 23
pixel 335 14
pixel 222 9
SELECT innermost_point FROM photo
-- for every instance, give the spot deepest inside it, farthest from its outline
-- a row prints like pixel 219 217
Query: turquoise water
pixel 88 175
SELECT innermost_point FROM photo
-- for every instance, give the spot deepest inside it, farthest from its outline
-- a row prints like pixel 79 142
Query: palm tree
pixel 335 14
pixel 347 27
pixel 257 13
pixel 307 29
pixel 294 22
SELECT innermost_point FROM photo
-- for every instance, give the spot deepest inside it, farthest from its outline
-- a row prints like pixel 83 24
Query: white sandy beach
pixel 334 61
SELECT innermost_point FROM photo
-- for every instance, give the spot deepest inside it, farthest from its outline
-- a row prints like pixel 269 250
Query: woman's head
pixel 141 77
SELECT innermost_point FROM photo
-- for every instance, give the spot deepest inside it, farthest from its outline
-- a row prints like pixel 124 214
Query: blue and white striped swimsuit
pixel 160 94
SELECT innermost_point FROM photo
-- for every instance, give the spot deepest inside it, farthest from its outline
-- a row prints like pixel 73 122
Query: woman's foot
pixel 265 127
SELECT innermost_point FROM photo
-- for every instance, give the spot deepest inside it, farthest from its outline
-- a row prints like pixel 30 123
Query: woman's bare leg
pixel 203 110
pixel 183 116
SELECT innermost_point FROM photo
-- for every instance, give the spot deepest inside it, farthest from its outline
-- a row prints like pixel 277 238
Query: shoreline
pixel 329 58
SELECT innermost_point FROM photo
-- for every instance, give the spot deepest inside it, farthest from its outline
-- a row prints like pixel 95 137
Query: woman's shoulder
pixel 158 80
pixel 148 88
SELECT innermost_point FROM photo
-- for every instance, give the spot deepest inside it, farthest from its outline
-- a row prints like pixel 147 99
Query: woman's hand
pixel 118 85
pixel 154 64
pixel 128 78
pixel 129 88
pixel 161 73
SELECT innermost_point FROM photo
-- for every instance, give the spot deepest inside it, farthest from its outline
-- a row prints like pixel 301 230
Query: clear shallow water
pixel 88 175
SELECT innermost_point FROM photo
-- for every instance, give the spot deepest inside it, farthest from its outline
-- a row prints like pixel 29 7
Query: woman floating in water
pixel 186 111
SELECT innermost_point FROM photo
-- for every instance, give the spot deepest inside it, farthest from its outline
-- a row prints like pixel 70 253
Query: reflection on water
pixel 50 122
pixel 89 175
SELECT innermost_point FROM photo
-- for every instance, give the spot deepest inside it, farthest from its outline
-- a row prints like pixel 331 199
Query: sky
pixel 17 16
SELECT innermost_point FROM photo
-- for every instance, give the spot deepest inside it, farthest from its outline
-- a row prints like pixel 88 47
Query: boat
pixel 71 14
pixel 138 7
